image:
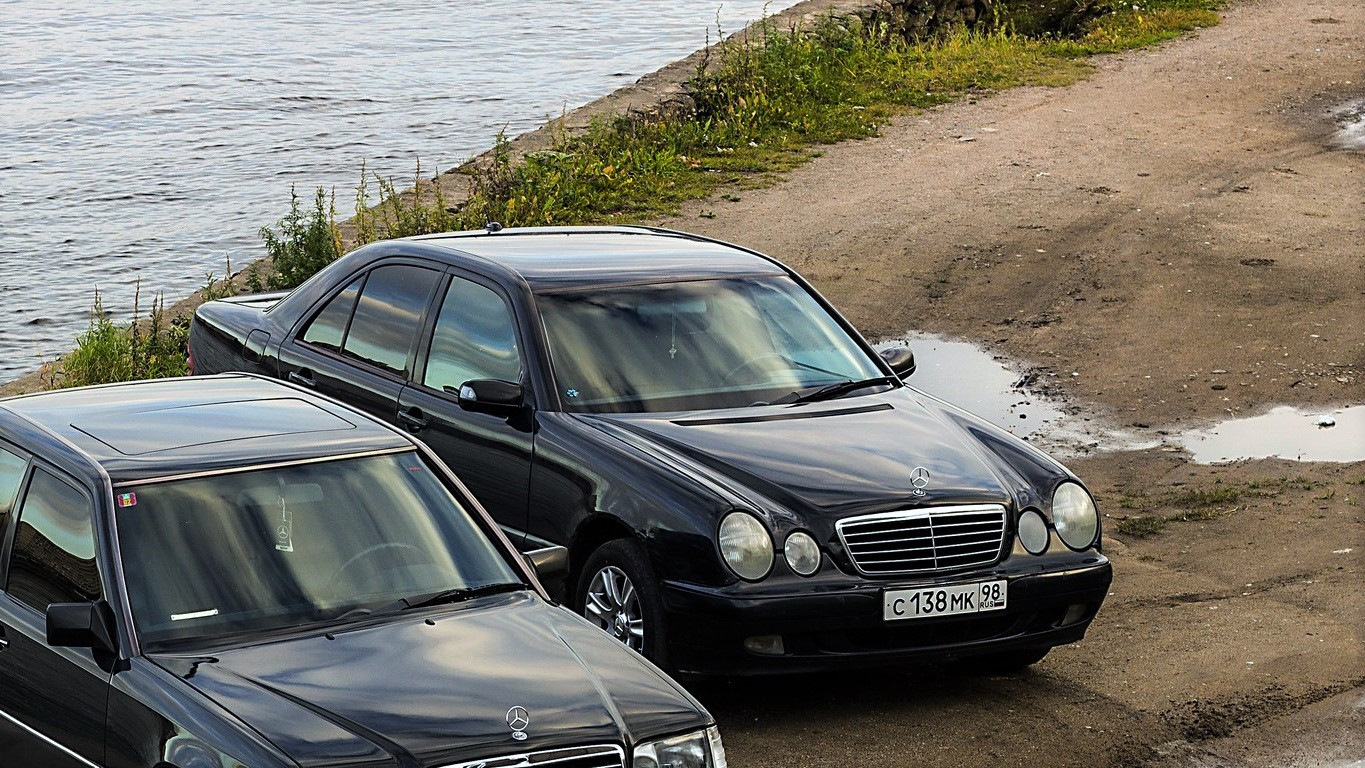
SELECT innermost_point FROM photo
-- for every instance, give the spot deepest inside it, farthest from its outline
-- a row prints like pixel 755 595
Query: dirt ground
pixel 1183 233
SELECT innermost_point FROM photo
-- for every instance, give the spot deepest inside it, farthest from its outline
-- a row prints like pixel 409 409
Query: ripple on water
pixel 158 136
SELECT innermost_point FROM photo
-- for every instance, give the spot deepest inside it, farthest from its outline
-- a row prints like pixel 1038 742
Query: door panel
pixel 490 454
pixel 52 700
pixel 359 345
pixel 474 336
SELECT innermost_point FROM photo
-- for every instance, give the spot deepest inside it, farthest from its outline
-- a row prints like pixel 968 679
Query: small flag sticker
pixel 127 499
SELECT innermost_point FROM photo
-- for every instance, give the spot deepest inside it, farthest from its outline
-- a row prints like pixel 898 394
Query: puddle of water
pixel 969 377
pixel 1352 120
pixel 1007 394
pixel 1283 433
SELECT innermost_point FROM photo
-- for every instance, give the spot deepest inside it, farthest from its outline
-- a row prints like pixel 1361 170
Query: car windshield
pixel 692 345
pixel 291 546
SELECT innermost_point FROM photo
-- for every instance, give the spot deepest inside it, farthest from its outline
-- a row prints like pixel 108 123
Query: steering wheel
pixel 369 552
pixel 753 363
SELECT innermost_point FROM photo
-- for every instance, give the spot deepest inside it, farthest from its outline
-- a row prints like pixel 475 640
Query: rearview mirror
pixel 490 395
pixel 901 360
pixel 81 625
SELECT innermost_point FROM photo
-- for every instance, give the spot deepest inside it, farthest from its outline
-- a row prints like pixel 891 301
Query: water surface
pixel 151 138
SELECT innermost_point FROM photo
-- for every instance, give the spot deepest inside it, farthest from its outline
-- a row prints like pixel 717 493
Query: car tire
pixel 1006 662
pixel 617 591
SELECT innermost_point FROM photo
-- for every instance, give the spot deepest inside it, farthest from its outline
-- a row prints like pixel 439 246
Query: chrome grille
pixel 924 540
pixel 602 756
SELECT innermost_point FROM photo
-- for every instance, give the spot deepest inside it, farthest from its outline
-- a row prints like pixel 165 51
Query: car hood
pixel 435 688
pixel 836 457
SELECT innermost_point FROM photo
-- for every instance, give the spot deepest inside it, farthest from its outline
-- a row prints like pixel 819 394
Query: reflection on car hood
pixel 407 692
pixel 838 457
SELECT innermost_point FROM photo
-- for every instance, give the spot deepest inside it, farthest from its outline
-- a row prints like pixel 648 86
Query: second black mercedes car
pixel 743 484
pixel 229 572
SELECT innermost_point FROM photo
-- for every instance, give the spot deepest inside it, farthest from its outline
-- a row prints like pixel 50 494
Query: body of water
pixel 151 139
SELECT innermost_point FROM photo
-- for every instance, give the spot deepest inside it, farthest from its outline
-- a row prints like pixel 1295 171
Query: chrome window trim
pixel 48 740
pixel 915 514
pixel 545 757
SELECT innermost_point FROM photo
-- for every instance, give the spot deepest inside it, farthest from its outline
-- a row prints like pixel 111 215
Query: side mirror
pixel 901 360
pixel 490 395
pixel 550 563
pixel 81 625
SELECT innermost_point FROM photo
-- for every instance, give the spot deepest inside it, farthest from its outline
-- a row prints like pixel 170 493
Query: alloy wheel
pixel 613 604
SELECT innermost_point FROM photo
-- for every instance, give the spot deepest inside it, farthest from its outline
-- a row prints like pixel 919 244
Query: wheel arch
pixel 591 534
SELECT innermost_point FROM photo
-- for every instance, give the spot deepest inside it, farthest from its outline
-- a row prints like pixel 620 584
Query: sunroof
pixel 138 433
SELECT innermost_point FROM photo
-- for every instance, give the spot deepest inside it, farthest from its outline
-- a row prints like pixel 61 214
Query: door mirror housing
pixel 81 625
pixel 550 563
pixel 490 395
pixel 901 360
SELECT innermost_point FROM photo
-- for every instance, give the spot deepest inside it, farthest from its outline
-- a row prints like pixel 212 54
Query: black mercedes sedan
pixel 231 571
pixel 743 484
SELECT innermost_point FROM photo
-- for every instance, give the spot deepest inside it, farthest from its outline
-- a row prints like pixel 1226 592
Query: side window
pixel 387 315
pixel 328 329
pixel 11 475
pixel 475 338
pixel 54 546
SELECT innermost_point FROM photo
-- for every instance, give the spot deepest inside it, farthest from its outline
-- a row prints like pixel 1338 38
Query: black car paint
pixel 666 480
pixel 316 695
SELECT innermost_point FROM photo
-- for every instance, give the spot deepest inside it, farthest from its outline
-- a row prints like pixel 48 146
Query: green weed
pixel 305 242
pixel 143 348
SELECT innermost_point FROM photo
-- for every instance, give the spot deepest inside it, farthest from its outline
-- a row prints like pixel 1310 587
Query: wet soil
pixel 1184 232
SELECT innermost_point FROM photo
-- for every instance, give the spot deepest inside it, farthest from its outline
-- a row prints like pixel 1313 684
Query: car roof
pixel 167 427
pixel 557 258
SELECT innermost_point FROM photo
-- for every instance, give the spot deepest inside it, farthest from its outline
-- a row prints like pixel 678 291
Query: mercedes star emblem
pixel 517 719
pixel 919 477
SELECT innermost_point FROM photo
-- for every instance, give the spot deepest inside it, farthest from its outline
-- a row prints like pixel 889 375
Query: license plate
pixel 922 602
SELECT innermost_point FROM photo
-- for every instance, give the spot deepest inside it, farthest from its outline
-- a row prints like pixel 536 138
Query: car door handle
pixel 303 376
pixel 413 420
pixel 4 641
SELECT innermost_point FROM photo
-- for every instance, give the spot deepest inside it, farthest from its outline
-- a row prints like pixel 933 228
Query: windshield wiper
pixel 462 593
pixel 830 391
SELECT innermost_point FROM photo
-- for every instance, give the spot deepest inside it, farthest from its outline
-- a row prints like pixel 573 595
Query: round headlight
pixel 802 553
pixel 1074 516
pixel 1033 532
pixel 746 545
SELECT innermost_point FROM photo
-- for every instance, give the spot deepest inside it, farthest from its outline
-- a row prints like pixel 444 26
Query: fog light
pixel 1075 613
pixel 765 645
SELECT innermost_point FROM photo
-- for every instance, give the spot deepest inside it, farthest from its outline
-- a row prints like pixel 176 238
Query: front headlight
pixel 1074 516
pixel 746 545
pixel 701 749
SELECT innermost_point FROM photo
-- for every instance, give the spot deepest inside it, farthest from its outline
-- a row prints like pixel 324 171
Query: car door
pixel 52 700
pixel 474 336
pixel 358 344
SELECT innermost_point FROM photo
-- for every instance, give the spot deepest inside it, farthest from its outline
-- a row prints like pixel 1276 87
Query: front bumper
pixel 835 620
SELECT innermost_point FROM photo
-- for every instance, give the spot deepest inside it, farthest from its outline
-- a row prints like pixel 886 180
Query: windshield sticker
pixel 194 615
pixel 571 392
pixel 127 500
pixel 284 532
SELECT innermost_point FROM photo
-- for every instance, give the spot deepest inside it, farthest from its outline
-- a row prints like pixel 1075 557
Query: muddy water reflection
pixel 1283 433
pixel 1352 120
pixel 969 377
